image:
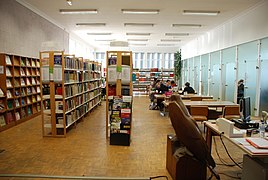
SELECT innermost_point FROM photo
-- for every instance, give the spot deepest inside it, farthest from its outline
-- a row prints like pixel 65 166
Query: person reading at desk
pixel 188 89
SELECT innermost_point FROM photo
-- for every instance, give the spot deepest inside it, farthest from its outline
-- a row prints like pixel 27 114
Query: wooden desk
pixel 255 166
pixel 209 103
pixel 188 96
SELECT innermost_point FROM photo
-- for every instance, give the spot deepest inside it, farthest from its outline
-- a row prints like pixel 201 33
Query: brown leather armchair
pixel 189 135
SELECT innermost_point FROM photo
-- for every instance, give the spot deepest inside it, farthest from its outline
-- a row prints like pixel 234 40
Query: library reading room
pixel 133 90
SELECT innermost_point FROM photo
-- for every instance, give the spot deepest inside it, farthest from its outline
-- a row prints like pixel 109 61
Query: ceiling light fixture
pixel 200 12
pixel 137 40
pixel 176 34
pixel 108 40
pixel 99 34
pixel 137 44
pixel 78 11
pixel 187 25
pixel 90 24
pixel 140 11
pixel 138 34
pixel 170 40
pixel 166 44
pixel 69 2
pixel 139 24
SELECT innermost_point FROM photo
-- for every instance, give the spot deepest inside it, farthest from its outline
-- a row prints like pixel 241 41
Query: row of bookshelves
pixel 20 95
pixel 22 82
pixel 69 93
pixel 10 71
pixel 15 115
pixel 12 60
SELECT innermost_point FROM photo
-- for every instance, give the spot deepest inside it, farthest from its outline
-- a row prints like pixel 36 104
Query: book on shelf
pixel 1 92
pixel 8 82
pixel 59 105
pixel 16 83
pixel 33 90
pixel 28 62
pixel 17 104
pixel 17 116
pixel 10 104
pixel 22 82
pixel 22 72
pixel 38 89
pixel 23 102
pixel 23 92
pixel 17 92
pixel 8 61
pixel 33 99
pixel 57 59
pixel 28 72
pixel 29 111
pixel 33 81
pixel 9 118
pixel 28 100
pixel 8 72
pixel 2 105
pixel 29 91
pixel 33 64
pixel 9 94
pixel 37 64
pixel 28 81
pixel 2 121
pixel 38 107
pixel 22 62
pixel 23 113
pixel 38 98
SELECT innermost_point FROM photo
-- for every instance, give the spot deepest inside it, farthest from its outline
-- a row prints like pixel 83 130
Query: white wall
pixel 22 32
pixel 248 26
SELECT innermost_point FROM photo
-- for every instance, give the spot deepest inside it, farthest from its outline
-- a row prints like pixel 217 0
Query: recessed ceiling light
pixel 137 44
pixel 176 34
pixel 139 24
pixel 137 40
pixel 104 40
pixel 187 25
pixel 69 2
pixel 101 34
pixel 138 34
pixel 200 12
pixel 78 11
pixel 166 44
pixel 170 40
pixel 90 24
pixel 140 11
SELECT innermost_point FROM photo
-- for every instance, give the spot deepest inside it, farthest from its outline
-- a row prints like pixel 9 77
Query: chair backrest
pixel 231 110
pixel 177 99
pixel 189 135
pixel 196 98
pixel 199 110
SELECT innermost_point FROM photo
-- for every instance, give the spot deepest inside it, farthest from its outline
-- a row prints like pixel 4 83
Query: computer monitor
pixel 245 108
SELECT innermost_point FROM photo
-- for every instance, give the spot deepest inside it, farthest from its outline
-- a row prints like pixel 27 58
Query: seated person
pixel 188 89
pixel 173 84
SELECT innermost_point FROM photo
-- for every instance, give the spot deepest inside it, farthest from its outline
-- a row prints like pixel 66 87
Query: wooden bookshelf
pixel 20 100
pixel 119 97
pixel 71 89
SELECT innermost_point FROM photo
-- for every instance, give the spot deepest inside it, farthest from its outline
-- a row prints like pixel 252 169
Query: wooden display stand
pixel 119 97
pixel 20 91
pixel 71 88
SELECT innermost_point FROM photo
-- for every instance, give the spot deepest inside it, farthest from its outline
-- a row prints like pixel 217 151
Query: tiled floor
pixel 86 151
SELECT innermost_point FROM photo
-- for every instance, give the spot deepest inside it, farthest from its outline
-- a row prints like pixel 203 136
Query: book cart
pixel 119 97
pixel 71 89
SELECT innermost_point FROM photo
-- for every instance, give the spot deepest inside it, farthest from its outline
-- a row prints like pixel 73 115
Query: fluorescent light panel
pixel 139 24
pixel 99 34
pixel 138 34
pixel 78 11
pixel 137 44
pixel 166 44
pixel 137 40
pixel 90 24
pixel 170 40
pixel 140 11
pixel 187 25
pixel 200 12
pixel 176 34
pixel 103 40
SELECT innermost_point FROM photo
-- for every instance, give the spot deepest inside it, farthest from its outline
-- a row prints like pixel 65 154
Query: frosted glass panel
pixel 196 79
pixel 204 71
pixel 191 70
pixel 264 75
pixel 215 75
pixel 247 62
pixel 228 74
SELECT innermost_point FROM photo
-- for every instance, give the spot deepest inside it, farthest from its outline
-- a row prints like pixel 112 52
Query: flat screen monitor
pixel 245 108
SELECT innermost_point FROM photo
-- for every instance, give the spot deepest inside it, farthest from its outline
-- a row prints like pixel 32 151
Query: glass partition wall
pixel 217 73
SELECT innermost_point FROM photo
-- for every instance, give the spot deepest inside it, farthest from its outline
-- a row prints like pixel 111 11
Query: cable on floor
pixel 228 152
pixel 224 163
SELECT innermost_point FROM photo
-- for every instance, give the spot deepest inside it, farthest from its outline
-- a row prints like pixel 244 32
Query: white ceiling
pixel 109 12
